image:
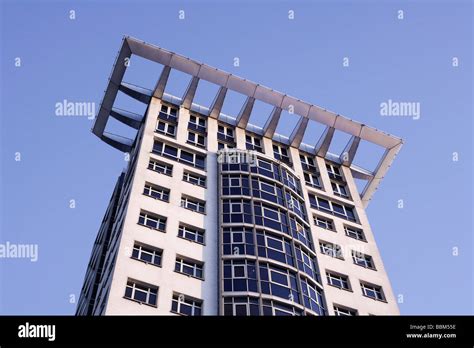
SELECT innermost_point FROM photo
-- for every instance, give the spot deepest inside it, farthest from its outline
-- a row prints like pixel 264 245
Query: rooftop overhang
pixel 226 81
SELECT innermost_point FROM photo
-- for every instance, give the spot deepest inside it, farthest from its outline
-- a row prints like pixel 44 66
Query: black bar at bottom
pixel 143 330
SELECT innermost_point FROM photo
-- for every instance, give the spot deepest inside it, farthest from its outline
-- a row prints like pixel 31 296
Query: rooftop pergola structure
pixel 253 91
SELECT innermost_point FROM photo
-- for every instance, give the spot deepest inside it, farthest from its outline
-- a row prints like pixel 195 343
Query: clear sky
pixel 406 60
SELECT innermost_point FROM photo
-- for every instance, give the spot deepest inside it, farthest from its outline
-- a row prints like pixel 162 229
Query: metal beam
pixel 322 146
pixel 112 88
pixel 141 94
pixel 379 173
pixel 161 84
pixel 129 118
pixel 297 134
pixel 188 96
pixel 272 122
pixel 244 114
pixel 118 142
pixel 218 102
pixel 348 154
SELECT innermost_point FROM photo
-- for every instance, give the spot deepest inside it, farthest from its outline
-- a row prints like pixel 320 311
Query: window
pixel 279 282
pixel 189 267
pixel 344 311
pixel 197 123
pixel 225 133
pixel 147 254
pixel 177 154
pixel 355 233
pixel 141 292
pixel 306 262
pixel 253 143
pixel 291 181
pixel 339 189
pixel 168 113
pixel 296 205
pixel 301 233
pixel 237 211
pixel 276 308
pixel 312 180
pixel 193 204
pixel 240 275
pixel 238 241
pixel 153 221
pixel 235 185
pixel 331 249
pixel 270 217
pixel 363 260
pixel 337 209
pixel 194 179
pixel 338 280
pixel 267 190
pixel 196 139
pixel 156 192
pixel 323 222
pixel 166 128
pixel 313 297
pixel 193 234
pixel 224 146
pixel 275 247
pixel 307 162
pixel 160 167
pixel 239 306
pixel 372 291
pixel 281 153
pixel 334 172
pixel 186 305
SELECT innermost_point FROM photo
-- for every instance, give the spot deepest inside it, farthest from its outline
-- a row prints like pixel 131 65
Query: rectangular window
pixel 355 233
pixel 166 128
pixel 156 192
pixel 225 133
pixel 168 113
pixel 147 254
pixel 344 311
pixel 312 180
pixel 193 234
pixel 160 167
pixel 280 153
pixel 194 179
pixel 197 123
pixel 193 204
pixel 189 267
pixel 363 260
pixel 196 139
pixel 186 305
pixel 253 143
pixel 337 209
pixel 334 172
pixel 372 291
pixel 180 155
pixel 153 221
pixel 141 292
pixel 323 222
pixel 338 280
pixel 339 189
pixel 308 164
pixel 225 146
pixel 331 249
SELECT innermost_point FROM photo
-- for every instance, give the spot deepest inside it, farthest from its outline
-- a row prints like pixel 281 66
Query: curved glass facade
pixel 268 263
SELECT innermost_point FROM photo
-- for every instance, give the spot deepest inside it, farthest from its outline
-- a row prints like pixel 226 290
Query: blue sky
pixel 403 60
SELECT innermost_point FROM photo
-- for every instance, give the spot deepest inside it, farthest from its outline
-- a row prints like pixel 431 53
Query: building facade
pixel 215 216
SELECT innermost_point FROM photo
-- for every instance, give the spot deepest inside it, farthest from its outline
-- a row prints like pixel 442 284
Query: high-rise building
pixel 216 216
